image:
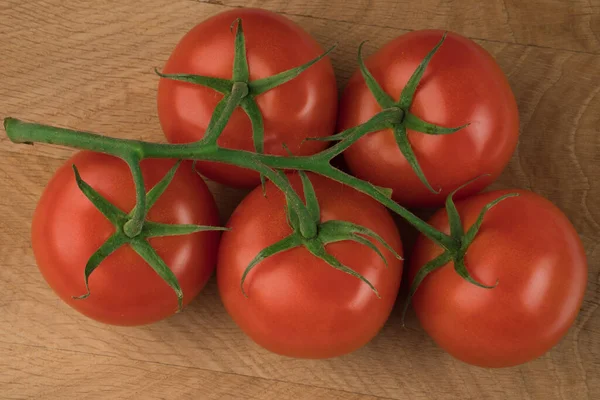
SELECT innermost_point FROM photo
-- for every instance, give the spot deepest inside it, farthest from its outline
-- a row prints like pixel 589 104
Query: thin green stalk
pixel 222 113
pixel 21 132
pixel 365 187
pixel 134 226
pixel 380 121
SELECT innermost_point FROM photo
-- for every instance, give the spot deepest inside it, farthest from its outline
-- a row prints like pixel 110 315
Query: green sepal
pixel 472 231
pixel 240 62
pixel 385 119
pixel 317 249
pixel 220 85
pixel 143 248
pixel 456 227
pixel 383 99
pixel 258 130
pixel 312 203
pixel 461 269
pixel 111 212
pixel 301 224
pixel 157 190
pixel 157 229
pixel 366 242
pixel 287 243
pixel 135 223
pixel 251 109
pixel 287 149
pixel 222 112
pixel 260 86
pixel 106 249
pixel 387 192
pixel 406 97
pixel 406 149
pixel 218 120
pixel 337 230
pixel 292 217
pixel 431 266
pixel 415 123
pixel 290 214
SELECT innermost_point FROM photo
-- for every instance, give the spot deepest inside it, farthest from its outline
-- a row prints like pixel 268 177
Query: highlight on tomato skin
pixel 306 106
pixel 531 249
pixel 297 305
pixel 462 84
pixel 124 290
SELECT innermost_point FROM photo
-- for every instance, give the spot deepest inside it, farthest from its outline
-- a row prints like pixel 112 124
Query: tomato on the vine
pixel 297 304
pixel 526 245
pixel 304 107
pixel 124 290
pixel 462 84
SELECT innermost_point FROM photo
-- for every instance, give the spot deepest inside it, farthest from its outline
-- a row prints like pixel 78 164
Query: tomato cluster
pixel 525 273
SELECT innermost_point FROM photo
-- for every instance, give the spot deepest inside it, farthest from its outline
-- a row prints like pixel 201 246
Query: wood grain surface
pixel 88 65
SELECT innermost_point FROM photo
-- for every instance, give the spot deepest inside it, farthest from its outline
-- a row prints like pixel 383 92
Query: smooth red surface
pixel 461 84
pixel 297 304
pixel 67 229
pixel 304 107
pixel 531 248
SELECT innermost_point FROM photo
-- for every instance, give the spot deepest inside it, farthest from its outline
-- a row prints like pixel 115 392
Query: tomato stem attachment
pixel 457 251
pixel 138 242
pixel 223 112
pixel 330 231
pixel 407 120
pixel 133 227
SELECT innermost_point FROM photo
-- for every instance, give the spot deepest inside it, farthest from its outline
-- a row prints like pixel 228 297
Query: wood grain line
pixel 56 374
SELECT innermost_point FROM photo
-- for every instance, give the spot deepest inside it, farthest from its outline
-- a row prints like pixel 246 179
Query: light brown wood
pixel 558 24
pixel 57 374
pixel 88 65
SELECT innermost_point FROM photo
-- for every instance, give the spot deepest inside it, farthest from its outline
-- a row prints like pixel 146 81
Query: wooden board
pixel 88 65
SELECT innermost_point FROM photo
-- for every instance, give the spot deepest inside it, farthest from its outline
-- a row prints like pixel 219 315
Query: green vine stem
pixel 23 132
pixel 308 231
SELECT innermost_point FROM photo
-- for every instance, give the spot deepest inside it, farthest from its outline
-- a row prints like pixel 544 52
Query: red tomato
pixel 531 248
pixel 303 107
pixel 462 84
pixel 67 229
pixel 297 304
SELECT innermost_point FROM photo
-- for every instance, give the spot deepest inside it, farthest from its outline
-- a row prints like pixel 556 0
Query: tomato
pixel 462 84
pixel 303 107
pixel 297 304
pixel 124 290
pixel 529 246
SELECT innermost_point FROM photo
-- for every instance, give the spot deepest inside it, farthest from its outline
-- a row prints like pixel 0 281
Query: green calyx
pixel 456 252
pixel 240 91
pixel 406 120
pixel 327 232
pixel 139 242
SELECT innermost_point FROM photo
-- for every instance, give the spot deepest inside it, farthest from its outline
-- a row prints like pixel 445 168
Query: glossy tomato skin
pixel 67 229
pixel 462 84
pixel 531 248
pixel 298 305
pixel 304 107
